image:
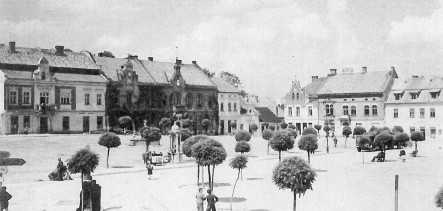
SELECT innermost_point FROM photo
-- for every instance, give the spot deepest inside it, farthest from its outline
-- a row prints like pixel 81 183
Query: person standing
pixel 150 169
pixel 4 199
pixel 212 199
pixel 60 169
pixel 200 196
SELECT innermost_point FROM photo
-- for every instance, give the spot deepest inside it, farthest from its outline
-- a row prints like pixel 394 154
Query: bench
pixel 413 153
pixel 134 142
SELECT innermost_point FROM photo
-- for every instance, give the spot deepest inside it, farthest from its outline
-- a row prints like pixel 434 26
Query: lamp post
pixel 326 119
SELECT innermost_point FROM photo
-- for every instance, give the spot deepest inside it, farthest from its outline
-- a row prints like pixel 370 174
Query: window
pixel 411 113
pixel 65 99
pixel 297 111
pixel 26 97
pixel 178 98
pixel 43 75
pixel 353 110
pixel 397 96
pixel 310 111
pixel 44 98
pixel 395 113
pixel 298 96
pixel 422 113
pixel 432 113
pixel 345 99
pixel 87 99
pixel 99 122
pixel 345 110
pixel 229 107
pixel 414 95
pixel 235 106
pixel 289 111
pixel 422 131
pixel 366 110
pixel 329 109
pixel 374 110
pixel 433 132
pixel 293 95
pixel 99 99
pixel 13 97
pixel 26 121
pixel 221 107
pixel 435 95
pixel 412 129
pixel 65 123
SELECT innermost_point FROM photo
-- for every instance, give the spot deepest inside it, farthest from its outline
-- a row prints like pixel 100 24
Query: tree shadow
pixel 254 178
pixel 122 167
pixel 206 184
pixel 228 199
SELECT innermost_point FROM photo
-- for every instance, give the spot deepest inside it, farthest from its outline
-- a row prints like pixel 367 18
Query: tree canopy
pixel 347 131
pixel 109 140
pixel 242 135
pixel 242 147
pixel 125 121
pixel 284 125
pixel 83 161
pixel 359 130
pixel 208 73
pixel 267 134
pixel 309 130
pixel 253 127
pixel 282 141
pixel 208 152
pixel 231 78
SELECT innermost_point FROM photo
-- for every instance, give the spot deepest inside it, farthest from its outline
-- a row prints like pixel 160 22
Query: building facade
pixel 415 104
pixel 50 90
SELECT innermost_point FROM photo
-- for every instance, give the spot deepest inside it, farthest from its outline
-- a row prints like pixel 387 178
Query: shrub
pixel 242 135
pixel 309 130
pixel 253 127
pixel 185 133
pixel 242 147
pixel 283 125
pixel 109 140
pixel 309 143
pixel 359 130
pixel 272 127
pixel 281 141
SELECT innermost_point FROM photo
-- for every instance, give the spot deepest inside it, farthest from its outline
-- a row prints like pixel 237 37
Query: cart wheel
pixel 65 176
pixel 166 159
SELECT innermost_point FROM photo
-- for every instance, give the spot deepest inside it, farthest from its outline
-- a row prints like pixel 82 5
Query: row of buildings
pixel 58 90
pixel 365 98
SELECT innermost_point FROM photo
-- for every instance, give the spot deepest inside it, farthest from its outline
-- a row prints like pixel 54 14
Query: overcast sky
pixel 265 43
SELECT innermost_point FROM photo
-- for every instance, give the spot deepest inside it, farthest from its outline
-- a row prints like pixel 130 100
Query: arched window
pixel 229 106
pixel 298 96
pixel 221 107
pixel 293 95
pixel 331 110
pixel 353 110
pixel 345 110
pixel 327 109
pixel 178 98
pixel 366 110
pixel 171 99
pixel 374 110
pixel 199 100
pixel 235 106
pixel 189 100
pixel 43 75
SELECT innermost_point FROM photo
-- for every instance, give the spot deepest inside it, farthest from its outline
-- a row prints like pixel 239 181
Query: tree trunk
pixel 346 139
pixel 268 147
pixel 279 156
pixel 212 180
pixel 235 184
pixel 198 175
pixel 309 158
pixel 415 146
pixel 203 177
pixel 147 145
pixel 107 158
pixel 295 200
pixel 327 144
pixel 83 192
pixel 209 177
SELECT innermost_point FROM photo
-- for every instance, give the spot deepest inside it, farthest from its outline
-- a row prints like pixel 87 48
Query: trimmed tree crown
pixel 291 126
pixel 402 137
pixel 359 130
pixel 295 174
pixel 398 129
pixel 284 125
pixel 185 133
pixel 267 134
pixel 109 140
pixel 233 124
pixel 347 131
pixel 254 127
pixel 383 138
pixel 282 141
pixel 151 134
pixel 242 135
pixel 165 122
pixel 187 145
pixel 326 128
pixel 364 140
pixel 417 136
pixel 317 127
pixel 208 152
pixel 125 121
pixel 83 161
pixel 309 130
pixel 238 162
pixel 242 146
pixel 308 142
pixel 272 127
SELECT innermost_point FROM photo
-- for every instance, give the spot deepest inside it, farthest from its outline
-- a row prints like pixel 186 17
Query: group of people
pixel 211 198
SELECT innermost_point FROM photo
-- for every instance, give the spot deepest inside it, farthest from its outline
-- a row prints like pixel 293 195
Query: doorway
pixel 86 124
pixel 43 124
pixel 14 124
pixel 222 127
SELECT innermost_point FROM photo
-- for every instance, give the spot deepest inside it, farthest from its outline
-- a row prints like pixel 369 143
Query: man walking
pixel 212 199
pixel 4 199
pixel 200 196
pixel 150 169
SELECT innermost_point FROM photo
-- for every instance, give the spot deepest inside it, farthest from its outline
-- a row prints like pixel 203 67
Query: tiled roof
pixel 110 65
pixel 423 82
pixel 31 56
pixel 224 86
pixel 267 115
pixel 312 89
pixel 423 86
pixel 17 74
pixel 351 83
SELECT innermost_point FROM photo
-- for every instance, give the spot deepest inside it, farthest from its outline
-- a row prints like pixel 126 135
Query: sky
pixel 267 44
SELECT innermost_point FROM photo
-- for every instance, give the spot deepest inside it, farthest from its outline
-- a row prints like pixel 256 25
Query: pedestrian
pixel 60 169
pixel 4 199
pixel 200 196
pixel 150 168
pixel 335 141
pixel 212 199
pixel 402 155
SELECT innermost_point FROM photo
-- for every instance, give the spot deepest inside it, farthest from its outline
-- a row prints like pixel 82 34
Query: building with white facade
pixel 416 104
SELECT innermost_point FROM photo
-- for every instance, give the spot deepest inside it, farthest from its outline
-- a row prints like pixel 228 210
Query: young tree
pixel 242 135
pixel 382 139
pixel 359 130
pixel 295 174
pixel 309 130
pixel 231 78
pixel 363 143
pixel 242 147
pixel 187 150
pixel 267 135
pixel 417 136
pixel 206 123
pixel 109 140
pixel 282 141
pixel 238 162
pixel 125 122
pixel 439 198
pixel 209 152
pixel 401 139
pixel 253 127
pixel 346 132
pixel 318 128
pixel 83 161
pixel 326 128
pixel 284 125
pixel 309 144
pixel 150 134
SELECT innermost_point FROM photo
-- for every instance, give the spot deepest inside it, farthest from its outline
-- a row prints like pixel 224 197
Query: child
pixel 150 168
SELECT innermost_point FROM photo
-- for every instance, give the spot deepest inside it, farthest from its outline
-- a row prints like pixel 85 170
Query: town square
pixel 221 105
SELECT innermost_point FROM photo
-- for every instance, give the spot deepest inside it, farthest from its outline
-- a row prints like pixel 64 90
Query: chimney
pixel 314 78
pixel 177 61
pixel 151 58
pixel 393 68
pixel 415 76
pixel 194 62
pixel 12 46
pixel 59 49
pixel 132 56
pixel 332 72
pixel 364 69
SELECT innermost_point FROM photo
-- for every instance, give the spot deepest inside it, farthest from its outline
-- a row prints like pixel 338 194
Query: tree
pixel 363 143
pixel 439 198
pixel 398 129
pixel 125 122
pixel 326 128
pixel 282 141
pixel 345 123
pixel 291 126
pixel 309 130
pixel 318 128
pixel 292 133
pixel 267 135
pixel 186 123
pixel 185 133
pixel 242 135
pixel 208 73
pixel 164 122
pixel 206 123
pixel 109 140
pixel 242 147
pixel 417 136
pixel 382 139
pixel 243 93
pixel 308 143
pixel 253 127
pixel 187 150
pixel 346 132
pixel 209 152
pixel 359 130
pixel 295 174
pixel 401 139
pixel 150 134
pixel 239 162
pixel 231 78
pixel 272 127
pixel 106 54
pixel 284 125
pixel 83 161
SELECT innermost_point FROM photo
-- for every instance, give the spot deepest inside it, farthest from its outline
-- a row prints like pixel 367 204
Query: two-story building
pixel 48 90
pixel 355 98
pixel 415 104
